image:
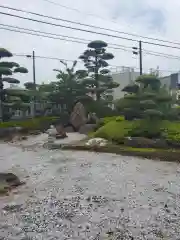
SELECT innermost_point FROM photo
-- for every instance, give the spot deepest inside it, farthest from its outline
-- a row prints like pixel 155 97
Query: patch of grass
pixel 140 149
pixel 34 123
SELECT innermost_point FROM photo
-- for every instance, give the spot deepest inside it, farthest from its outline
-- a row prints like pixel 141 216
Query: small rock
pixel 96 142
pixel 8 181
pixel 110 233
pixel 88 199
pixel 24 137
pixel 13 207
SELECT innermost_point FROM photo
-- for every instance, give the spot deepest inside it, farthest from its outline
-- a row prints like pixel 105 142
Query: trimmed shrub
pixel 120 118
pixel 104 121
pixel 147 128
pixel 141 142
pixel 171 131
pixel 115 131
pixel 100 108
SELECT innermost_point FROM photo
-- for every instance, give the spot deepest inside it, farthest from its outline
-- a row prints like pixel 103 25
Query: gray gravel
pixel 81 195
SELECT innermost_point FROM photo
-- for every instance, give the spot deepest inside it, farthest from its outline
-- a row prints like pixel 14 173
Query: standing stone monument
pixel 78 116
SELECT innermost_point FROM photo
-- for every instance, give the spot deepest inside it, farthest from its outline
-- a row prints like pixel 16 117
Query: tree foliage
pixel 8 69
pixel 68 87
pixel 99 77
pixel 145 98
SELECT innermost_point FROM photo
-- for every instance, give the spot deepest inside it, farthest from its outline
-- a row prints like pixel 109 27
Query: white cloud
pixel 145 17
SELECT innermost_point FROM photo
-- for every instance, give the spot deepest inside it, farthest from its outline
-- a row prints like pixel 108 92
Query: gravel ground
pixel 81 195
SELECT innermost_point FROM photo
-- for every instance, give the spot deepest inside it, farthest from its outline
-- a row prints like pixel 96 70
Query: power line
pixel 87 25
pixel 60 35
pixel 68 60
pixel 77 10
pixel 45 57
pixel 163 55
pixel 36 33
pixel 73 28
pixel 88 31
pixel 119 47
pixel 131 34
pixel 68 27
pixel 39 35
pixel 56 38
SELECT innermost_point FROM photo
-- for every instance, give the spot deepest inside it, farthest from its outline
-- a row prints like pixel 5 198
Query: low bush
pixel 147 128
pixel 100 108
pixel 104 121
pixel 171 131
pixel 116 129
pixel 30 124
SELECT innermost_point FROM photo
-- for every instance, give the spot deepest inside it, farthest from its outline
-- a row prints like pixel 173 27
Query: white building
pixel 172 82
pixel 123 76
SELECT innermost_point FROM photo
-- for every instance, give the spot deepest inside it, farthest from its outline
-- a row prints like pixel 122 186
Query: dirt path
pixel 81 195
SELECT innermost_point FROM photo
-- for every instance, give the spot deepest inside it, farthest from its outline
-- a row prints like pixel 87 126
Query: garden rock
pixel 69 129
pixel 144 142
pixel 35 132
pixel 96 142
pixel 161 143
pixel 78 116
pixel 10 132
pixel 6 132
pixel 8 181
pixel 12 207
pixel 18 138
pixel 173 144
pixel 87 128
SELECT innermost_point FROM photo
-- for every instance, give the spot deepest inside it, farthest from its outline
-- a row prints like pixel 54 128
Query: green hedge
pixel 116 129
pixel 171 131
pixel 104 121
pixel 30 124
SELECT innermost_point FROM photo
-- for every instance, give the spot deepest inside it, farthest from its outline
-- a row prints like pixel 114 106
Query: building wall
pixel 166 81
pixel 128 75
pixel 171 81
pixel 124 78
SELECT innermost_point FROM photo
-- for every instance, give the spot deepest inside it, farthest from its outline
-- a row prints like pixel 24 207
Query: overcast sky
pixel 153 18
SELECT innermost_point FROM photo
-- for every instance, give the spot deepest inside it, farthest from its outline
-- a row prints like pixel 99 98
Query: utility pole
pixel 140 57
pixel 138 51
pixel 1 102
pixel 34 70
pixel 34 81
